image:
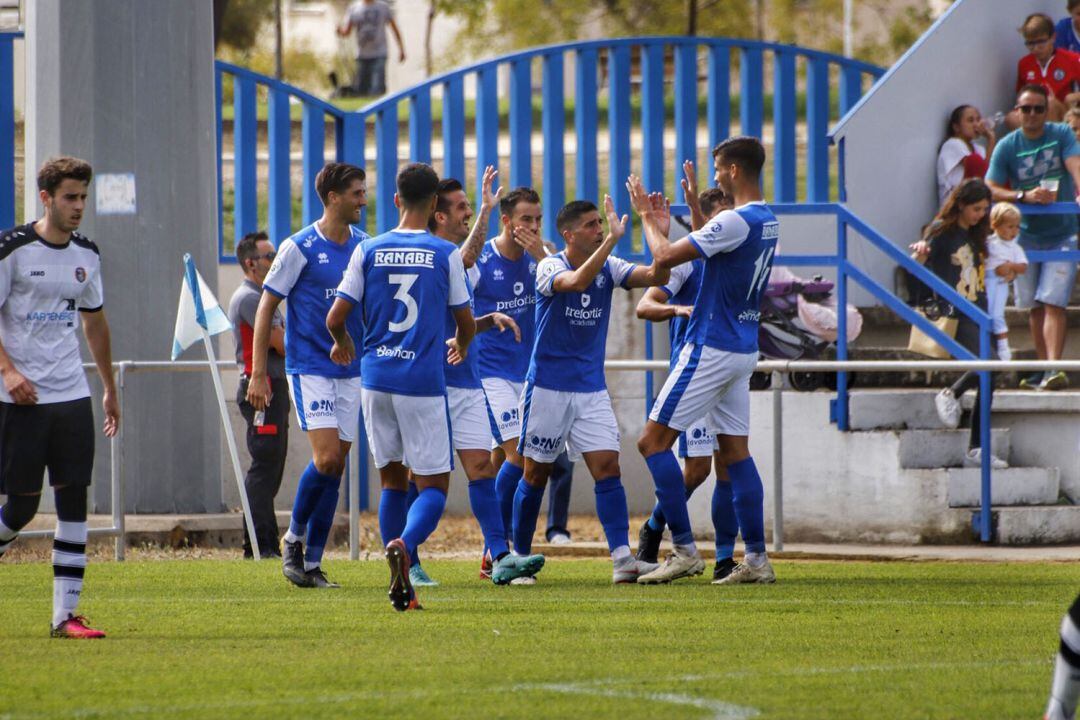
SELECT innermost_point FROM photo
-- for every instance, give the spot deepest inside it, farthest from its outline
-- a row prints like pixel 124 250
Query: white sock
pixel 7 536
pixel 309 566
pixel 755 560
pixel 69 564
pixel 689 548
pixel 621 554
pixel 1004 352
pixel 1065 691
pixel 291 537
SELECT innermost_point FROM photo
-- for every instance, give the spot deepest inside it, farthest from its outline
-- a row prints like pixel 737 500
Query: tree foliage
pixel 239 23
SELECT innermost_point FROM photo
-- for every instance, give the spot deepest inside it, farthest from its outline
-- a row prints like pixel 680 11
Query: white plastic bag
pixel 820 318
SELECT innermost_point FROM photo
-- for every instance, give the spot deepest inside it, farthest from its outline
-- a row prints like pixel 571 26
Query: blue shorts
pixel 1047 283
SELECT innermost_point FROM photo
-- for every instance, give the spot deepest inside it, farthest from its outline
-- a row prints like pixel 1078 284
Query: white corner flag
pixel 198 317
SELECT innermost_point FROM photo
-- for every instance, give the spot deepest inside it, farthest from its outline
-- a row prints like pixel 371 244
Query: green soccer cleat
pixel 512 567
pixel 419 578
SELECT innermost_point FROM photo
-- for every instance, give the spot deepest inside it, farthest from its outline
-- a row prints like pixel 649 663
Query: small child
pixel 1006 260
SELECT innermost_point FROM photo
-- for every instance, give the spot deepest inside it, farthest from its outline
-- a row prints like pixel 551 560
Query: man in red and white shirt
pixel 1055 69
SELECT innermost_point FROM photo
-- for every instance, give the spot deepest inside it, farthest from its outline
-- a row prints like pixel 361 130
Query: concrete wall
pixel 106 83
pixel 892 137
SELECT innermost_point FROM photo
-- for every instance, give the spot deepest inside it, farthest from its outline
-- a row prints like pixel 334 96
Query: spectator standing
pixel 1005 262
pixel 1072 119
pixel 1040 163
pixel 559 486
pixel 370 18
pixel 1056 70
pixel 1067 32
pixel 267 430
pixel 960 157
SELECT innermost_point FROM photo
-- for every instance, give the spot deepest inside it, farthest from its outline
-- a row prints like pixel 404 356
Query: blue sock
pixel 612 511
pixel 308 492
pixel 319 525
pixel 749 497
pixel 485 507
pixel 670 491
pixel 527 501
pixel 657 521
pixel 392 512
pixel 506 482
pixel 423 517
pixel 724 521
pixel 410 498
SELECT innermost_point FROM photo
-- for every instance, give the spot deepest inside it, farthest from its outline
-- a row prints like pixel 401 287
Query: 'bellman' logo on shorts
pixel 405 257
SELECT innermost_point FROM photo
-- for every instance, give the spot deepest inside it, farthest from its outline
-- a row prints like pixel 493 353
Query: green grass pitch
pixel 219 638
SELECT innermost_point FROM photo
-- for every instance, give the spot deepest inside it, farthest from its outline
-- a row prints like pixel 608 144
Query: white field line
pixel 718 709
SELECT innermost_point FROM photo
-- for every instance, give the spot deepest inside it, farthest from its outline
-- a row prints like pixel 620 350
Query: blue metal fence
pixel 7 127
pixel 638 78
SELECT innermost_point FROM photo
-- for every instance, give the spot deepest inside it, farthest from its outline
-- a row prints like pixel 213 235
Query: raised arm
pixel 665 254
pixel 690 190
pixel 578 279
pixel 654 274
pixel 474 244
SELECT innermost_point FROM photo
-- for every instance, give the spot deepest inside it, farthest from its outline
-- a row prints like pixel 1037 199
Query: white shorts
pixel 504 404
pixel 469 418
pixel 697 441
pixel 323 402
pixel 707 383
pixel 410 429
pixel 584 422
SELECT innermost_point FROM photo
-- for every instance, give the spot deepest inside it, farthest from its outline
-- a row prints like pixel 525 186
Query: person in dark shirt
pixel 954 249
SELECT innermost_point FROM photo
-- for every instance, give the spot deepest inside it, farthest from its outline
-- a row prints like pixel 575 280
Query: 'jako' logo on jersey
pixel 80 274
pixel 549 444
pixel 585 300
pixel 518 288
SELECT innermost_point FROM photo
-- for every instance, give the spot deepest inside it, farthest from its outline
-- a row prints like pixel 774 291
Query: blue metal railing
pixel 7 127
pixel 656 66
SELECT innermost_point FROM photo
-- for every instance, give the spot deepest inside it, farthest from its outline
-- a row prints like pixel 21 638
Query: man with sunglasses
pixel 1055 69
pixel 1039 163
pixel 267 431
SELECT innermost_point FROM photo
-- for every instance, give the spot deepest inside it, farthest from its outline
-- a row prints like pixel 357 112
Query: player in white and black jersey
pixel 50 280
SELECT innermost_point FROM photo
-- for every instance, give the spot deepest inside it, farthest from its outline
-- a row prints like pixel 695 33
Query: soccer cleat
pixel 1057 381
pixel 485 566
pixel 679 564
pixel 402 594
pixel 948 408
pixel 559 538
pixel 75 627
pixel 292 564
pixel 630 570
pixel 744 573
pixel 513 567
pixel 419 577
pixel 723 568
pixel 648 546
pixel 317 578
pixel 973 458
pixel 524 580
pixel 1033 381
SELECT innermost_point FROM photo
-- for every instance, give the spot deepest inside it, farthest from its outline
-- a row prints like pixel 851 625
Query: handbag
pixel 942 319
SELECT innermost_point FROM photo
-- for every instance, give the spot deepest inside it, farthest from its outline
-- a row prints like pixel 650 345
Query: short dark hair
pixel 1037 23
pixel 1072 5
pixel 336 177
pixel 1033 88
pixel 58 169
pixel 417 183
pixel 570 213
pixel 743 151
pixel 445 187
pixel 712 199
pixel 518 195
pixel 248 247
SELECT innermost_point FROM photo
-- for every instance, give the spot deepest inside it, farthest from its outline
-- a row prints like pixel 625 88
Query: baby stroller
pixel 798 322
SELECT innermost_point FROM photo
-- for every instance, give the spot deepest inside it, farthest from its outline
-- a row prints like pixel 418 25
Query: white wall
pixel 891 139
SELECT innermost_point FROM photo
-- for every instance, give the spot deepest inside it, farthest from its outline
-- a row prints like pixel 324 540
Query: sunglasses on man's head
pixel 1029 109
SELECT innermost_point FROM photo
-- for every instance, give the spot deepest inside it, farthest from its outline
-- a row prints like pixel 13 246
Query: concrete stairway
pixel 1030 504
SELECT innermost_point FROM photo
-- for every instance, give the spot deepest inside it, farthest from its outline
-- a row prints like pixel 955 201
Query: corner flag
pixel 199 310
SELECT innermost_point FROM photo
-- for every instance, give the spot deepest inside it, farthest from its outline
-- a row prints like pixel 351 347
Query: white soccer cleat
pixel 630 570
pixel 679 564
pixel 747 574
pixel 973 458
pixel 948 408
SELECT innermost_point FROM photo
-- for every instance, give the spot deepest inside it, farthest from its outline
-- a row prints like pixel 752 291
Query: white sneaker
pixel 630 570
pixel 679 564
pixel 973 458
pixel 560 539
pixel 744 573
pixel 524 580
pixel 948 408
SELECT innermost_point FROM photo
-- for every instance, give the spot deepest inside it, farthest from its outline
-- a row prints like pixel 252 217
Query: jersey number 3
pixel 404 283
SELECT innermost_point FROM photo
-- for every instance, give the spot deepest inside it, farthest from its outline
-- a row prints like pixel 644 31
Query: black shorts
pixel 54 436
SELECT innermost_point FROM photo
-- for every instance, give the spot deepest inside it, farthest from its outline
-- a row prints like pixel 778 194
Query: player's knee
pixel 513 456
pixel 330 463
pixel 19 510
pixel 694 476
pixel 648 444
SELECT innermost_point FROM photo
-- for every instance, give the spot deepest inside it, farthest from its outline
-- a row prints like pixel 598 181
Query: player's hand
pixel 343 353
pixel 661 212
pixel 502 322
pixel 528 240
pixel 21 390
pixel 616 225
pixel 689 185
pixel 683 310
pixel 112 414
pixel 1040 196
pixel 639 198
pixel 455 354
pixel 258 392
pixel 489 200
pixel 921 248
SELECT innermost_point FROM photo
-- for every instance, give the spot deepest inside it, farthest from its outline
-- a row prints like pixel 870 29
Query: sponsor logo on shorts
pixel 546 444
pixel 750 316
pixel 508 417
pixel 394 352
pixel 405 257
pixel 698 434
pixel 320 408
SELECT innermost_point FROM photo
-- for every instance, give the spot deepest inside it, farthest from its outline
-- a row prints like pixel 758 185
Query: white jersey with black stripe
pixel 42 289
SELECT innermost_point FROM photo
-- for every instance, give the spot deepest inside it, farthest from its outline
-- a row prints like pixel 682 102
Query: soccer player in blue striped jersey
pixel 566 398
pixel 697 445
pixel 404 281
pixel 712 375
pixel 1065 691
pixel 306 272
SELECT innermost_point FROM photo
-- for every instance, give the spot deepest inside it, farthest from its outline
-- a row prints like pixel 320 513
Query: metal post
pixel 354 501
pixel 778 460
pixel 984 438
pixel 117 471
pixel 841 321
